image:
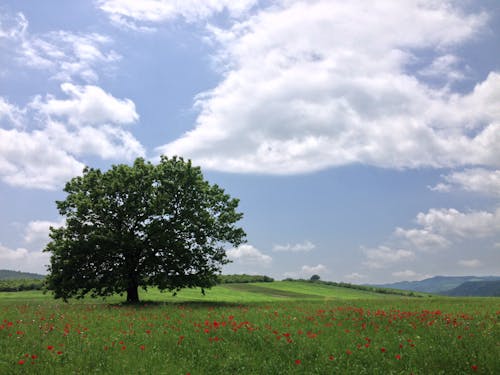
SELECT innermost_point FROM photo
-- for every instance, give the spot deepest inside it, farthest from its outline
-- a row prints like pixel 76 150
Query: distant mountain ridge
pixel 14 275
pixel 476 288
pixel 437 284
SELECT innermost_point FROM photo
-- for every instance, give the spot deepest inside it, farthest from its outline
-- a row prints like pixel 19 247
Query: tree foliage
pixel 144 225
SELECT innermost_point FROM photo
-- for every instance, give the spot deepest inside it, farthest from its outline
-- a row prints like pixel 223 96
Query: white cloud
pixel 307 271
pixel 10 114
pixel 87 105
pixel 44 150
pixel 310 85
pixel 37 231
pixel 29 159
pixel 444 66
pixel 422 239
pixel 453 223
pixel 22 259
pixel 65 55
pixel 470 263
pixel 12 27
pixel 141 15
pixel 384 256
pixel 478 180
pixel 295 248
pixel 247 254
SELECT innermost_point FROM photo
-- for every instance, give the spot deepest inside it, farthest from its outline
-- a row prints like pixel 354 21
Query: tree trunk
pixel 132 294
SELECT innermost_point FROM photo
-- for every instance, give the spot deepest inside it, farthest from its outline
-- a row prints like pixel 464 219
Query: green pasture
pixel 257 328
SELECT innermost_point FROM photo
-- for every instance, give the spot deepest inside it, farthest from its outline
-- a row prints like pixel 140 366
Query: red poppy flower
pixel 50 347
pixel 383 350
pixel 21 361
pixel 331 358
pixel 398 356
pixel 298 361
pixel 59 352
pixel 474 367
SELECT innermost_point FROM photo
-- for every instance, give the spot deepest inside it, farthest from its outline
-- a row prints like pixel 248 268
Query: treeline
pixel 18 285
pixel 366 288
pixel 229 279
pixel 9 275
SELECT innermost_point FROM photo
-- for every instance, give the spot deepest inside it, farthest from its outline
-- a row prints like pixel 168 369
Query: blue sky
pixel 362 138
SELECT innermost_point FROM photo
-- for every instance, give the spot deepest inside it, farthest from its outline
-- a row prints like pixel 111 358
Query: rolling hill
pixel 476 288
pixel 14 275
pixel 438 284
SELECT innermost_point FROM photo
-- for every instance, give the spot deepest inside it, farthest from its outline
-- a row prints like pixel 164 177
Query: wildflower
pixel 50 347
pixel 59 352
pixel 383 350
pixel 331 358
pixel 298 361
pixel 34 356
pixel 474 367
pixel 398 356
pixel 21 361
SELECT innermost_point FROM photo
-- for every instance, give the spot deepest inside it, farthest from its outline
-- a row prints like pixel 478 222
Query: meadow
pixel 256 328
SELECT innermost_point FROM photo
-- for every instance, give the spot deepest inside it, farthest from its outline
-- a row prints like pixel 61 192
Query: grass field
pixel 261 328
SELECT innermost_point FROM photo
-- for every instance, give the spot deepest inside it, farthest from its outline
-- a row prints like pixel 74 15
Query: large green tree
pixel 144 225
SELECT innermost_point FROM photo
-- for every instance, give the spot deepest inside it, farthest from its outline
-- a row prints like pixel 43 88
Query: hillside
pixel 437 284
pixel 14 275
pixel 476 289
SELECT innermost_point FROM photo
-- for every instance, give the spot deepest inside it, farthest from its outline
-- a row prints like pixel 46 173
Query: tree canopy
pixel 144 225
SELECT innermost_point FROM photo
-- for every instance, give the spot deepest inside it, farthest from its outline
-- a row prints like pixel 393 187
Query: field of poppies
pixel 276 334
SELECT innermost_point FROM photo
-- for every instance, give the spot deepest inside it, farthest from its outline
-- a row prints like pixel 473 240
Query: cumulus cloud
pixel 384 256
pixel 22 259
pixel 453 223
pixel 44 151
pixel 477 180
pixel 470 263
pixel 313 84
pixel 308 271
pixel 66 55
pixel 87 105
pixel 422 239
pixel 29 159
pixel 37 231
pixel 248 254
pixel 143 15
pixel 295 248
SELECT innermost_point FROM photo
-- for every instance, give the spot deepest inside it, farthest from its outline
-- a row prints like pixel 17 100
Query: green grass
pixel 265 328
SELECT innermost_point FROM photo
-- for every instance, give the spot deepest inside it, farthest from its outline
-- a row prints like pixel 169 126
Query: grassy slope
pixel 232 293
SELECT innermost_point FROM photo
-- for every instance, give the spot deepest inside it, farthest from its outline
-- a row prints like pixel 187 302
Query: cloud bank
pixel 308 85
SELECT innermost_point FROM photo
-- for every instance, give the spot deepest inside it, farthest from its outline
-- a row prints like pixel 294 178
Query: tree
pixel 143 225
pixel 314 278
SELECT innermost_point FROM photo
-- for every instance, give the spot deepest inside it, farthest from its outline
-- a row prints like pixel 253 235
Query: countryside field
pixel 258 328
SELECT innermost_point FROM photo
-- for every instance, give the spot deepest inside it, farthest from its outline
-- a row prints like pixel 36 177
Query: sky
pixel 362 138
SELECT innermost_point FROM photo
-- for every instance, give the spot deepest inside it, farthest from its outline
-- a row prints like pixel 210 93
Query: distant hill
pixel 476 289
pixel 437 284
pixel 14 275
